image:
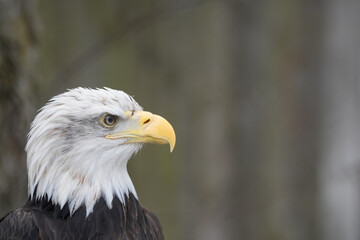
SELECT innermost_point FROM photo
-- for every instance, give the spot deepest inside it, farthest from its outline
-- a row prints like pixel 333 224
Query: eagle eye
pixel 108 120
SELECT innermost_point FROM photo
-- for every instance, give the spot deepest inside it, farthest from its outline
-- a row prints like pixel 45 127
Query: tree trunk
pixel 18 37
pixel 340 166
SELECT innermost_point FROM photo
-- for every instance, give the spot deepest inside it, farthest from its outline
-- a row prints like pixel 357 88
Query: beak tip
pixel 172 143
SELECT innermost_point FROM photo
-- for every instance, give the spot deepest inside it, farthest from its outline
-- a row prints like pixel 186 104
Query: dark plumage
pixel 44 220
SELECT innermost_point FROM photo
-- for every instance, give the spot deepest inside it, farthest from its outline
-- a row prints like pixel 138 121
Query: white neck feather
pixel 80 178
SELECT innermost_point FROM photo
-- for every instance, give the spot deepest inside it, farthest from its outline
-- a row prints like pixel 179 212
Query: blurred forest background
pixel 264 97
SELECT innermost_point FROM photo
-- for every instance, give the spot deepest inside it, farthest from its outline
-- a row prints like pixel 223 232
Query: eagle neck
pixel 83 180
pixel 130 206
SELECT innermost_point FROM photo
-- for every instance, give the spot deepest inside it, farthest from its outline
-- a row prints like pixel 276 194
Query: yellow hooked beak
pixel 145 127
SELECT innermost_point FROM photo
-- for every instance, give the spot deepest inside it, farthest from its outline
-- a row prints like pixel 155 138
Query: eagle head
pixel 79 144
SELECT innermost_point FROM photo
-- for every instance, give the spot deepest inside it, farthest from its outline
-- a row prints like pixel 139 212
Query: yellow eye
pixel 108 120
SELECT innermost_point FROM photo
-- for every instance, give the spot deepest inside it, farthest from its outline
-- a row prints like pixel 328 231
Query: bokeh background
pixel 264 97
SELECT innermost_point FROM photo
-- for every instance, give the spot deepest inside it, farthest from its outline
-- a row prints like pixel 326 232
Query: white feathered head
pixel 80 142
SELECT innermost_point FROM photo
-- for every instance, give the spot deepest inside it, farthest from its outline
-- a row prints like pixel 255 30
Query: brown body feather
pixel 44 220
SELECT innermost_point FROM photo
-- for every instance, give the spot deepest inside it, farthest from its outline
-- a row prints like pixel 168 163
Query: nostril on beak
pixel 146 121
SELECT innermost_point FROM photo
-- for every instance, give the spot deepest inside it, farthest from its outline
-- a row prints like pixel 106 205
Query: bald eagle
pixel 78 184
